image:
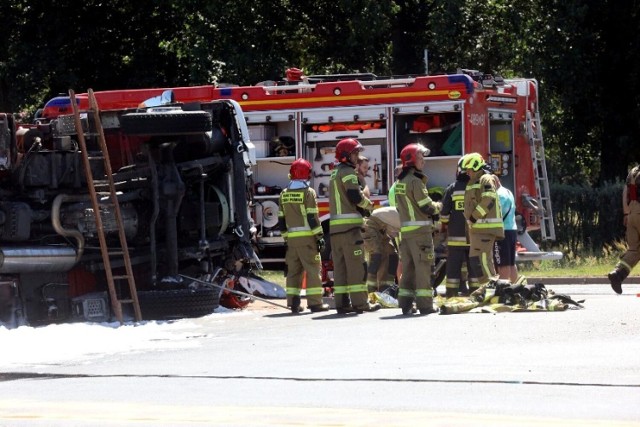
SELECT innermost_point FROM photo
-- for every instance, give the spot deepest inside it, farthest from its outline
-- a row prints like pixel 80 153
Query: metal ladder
pixel 107 254
pixel 547 228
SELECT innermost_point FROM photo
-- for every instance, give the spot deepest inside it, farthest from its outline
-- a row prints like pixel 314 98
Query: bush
pixel 587 220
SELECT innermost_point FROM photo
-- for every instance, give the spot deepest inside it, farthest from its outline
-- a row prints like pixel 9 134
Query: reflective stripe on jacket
pixel 344 214
pixel 452 214
pixel 482 207
pixel 295 206
pixel 411 199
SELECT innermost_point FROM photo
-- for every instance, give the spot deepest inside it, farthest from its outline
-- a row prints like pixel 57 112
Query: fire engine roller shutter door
pixel 269 117
pixel 440 107
pixel 344 115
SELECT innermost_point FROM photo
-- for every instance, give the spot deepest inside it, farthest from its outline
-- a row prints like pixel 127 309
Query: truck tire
pixel 178 303
pixel 170 123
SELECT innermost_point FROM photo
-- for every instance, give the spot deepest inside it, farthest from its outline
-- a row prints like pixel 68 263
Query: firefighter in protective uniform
pixel 347 207
pixel 631 220
pixel 380 230
pixel 300 227
pixel 417 213
pixel 484 219
pixel 457 235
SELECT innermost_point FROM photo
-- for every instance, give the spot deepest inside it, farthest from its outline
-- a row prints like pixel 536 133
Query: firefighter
pixel 380 230
pixel 631 220
pixel 454 225
pixel 484 218
pixel 363 170
pixel 300 227
pixel 417 213
pixel 347 206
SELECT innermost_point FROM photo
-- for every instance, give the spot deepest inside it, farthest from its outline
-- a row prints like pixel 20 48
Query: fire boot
pixel 464 289
pixel 345 306
pixel 616 277
pixel 318 308
pixel 451 292
pixel 368 307
pixel 428 308
pixel 295 305
pixel 408 310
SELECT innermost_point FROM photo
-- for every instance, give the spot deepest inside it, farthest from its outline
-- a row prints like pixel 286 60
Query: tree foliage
pixel 584 53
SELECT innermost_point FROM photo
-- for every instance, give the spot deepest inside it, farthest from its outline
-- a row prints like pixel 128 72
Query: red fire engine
pixel 454 114
pixel 450 114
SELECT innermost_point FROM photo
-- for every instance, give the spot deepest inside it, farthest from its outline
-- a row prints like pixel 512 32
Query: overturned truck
pixel 180 174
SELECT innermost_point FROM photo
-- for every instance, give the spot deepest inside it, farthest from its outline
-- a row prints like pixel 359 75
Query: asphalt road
pixel 266 367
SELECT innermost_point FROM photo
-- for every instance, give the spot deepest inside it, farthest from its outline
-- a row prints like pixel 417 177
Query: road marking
pixel 121 413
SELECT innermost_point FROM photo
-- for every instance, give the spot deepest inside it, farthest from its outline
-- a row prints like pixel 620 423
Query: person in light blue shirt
pixel 504 251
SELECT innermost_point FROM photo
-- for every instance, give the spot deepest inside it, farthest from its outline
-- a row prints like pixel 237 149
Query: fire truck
pixel 451 114
pixel 454 114
pixel 113 212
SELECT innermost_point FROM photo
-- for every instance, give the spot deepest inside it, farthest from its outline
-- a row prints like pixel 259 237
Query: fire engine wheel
pixel 173 123
pixel 178 303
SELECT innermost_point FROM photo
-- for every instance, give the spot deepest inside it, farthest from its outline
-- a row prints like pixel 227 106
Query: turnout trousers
pixel 349 269
pixel 383 259
pixel 416 252
pixel 457 260
pixel 481 257
pixel 303 256
pixel 631 257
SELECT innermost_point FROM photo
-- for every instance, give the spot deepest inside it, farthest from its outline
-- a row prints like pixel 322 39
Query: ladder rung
pixel 114 253
pixel 121 277
pixel 96 158
pixel 126 301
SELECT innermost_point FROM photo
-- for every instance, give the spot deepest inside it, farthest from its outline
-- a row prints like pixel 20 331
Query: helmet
pixel 300 169
pixel 345 147
pixel 459 170
pixel 473 161
pixel 410 153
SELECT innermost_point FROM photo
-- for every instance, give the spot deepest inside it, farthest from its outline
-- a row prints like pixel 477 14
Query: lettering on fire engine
pixel 477 119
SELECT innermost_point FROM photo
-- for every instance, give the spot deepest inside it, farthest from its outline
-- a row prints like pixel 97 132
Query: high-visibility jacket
pixel 482 207
pixel 298 214
pixel 452 214
pixel 347 202
pixel 415 207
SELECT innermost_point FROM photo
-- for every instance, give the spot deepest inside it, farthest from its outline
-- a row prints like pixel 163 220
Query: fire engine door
pixel 501 144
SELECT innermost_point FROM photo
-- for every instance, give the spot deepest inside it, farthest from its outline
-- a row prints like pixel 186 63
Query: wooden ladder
pixel 107 254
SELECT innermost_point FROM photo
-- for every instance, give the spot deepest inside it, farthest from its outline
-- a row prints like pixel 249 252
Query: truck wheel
pixel 170 123
pixel 178 303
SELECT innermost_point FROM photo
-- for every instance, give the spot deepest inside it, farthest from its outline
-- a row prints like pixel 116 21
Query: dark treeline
pixel 584 53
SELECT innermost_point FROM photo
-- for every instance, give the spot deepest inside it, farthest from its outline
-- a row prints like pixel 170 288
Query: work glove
pixel 321 244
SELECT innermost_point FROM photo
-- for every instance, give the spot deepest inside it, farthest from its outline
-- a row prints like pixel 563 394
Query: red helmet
pixel 345 147
pixel 410 153
pixel 300 169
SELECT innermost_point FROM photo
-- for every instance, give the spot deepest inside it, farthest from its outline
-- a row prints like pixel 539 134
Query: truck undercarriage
pixel 180 176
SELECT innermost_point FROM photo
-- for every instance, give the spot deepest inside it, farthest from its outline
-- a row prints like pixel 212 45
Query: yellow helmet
pixel 473 161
